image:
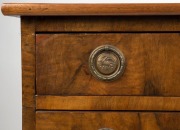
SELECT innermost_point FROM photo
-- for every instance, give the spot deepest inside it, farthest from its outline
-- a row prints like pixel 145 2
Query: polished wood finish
pixel 59 93
pixel 108 24
pixel 89 9
pixel 114 120
pixel 140 103
pixel 152 64
pixel 28 73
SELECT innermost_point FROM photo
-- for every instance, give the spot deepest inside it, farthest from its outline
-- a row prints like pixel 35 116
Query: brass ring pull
pixel 106 63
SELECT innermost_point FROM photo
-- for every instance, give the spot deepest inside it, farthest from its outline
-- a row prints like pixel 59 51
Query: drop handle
pixel 106 63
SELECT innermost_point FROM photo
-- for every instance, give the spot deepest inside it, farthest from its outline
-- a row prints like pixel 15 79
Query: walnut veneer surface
pixel 58 89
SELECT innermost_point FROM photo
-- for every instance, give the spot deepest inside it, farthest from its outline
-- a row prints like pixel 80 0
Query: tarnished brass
pixel 106 63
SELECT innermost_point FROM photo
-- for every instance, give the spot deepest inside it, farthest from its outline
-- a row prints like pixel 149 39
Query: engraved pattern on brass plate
pixel 106 63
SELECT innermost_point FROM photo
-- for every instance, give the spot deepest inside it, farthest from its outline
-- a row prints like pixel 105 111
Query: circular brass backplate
pixel 106 63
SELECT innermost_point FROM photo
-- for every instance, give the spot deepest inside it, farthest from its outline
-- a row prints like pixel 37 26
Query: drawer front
pixel 110 120
pixel 152 64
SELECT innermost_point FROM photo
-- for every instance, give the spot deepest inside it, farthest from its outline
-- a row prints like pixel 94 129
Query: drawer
pixel 152 64
pixel 79 120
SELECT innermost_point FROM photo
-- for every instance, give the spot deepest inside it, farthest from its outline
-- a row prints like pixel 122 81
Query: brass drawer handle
pixel 106 63
pixel 105 129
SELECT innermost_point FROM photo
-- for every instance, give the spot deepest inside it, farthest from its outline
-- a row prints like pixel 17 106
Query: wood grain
pixel 41 9
pixel 28 73
pixel 55 66
pixel 152 64
pixel 114 120
pixel 107 24
pixel 108 103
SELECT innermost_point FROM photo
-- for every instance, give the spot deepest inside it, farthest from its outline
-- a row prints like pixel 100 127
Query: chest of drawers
pixel 100 66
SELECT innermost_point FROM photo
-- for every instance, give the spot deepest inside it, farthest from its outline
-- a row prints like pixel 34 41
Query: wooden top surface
pixel 47 9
